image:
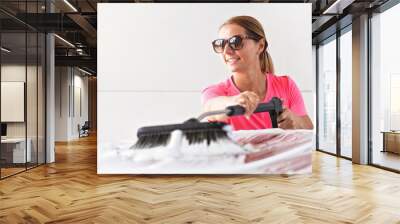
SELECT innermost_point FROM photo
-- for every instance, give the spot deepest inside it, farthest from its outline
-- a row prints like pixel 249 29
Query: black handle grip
pixel 275 104
pixel 274 107
pixel 235 110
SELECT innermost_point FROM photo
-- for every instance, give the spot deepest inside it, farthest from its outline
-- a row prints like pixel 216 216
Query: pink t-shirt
pixel 282 87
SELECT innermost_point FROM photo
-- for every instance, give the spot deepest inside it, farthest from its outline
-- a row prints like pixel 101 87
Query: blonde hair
pixel 254 29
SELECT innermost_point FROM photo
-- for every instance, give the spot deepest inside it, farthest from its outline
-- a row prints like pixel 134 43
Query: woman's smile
pixel 232 60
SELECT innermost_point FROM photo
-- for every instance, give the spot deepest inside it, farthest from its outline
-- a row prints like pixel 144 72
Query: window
pixel 327 96
pixel 385 88
pixel 346 93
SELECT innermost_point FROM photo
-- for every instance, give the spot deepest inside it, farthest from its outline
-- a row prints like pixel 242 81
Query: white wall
pixel 154 59
pixel 67 117
pixel 61 103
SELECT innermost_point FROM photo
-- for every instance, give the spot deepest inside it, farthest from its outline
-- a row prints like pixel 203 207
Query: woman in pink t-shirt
pixel 243 47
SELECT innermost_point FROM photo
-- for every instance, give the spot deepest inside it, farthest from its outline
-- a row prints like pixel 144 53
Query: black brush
pixel 199 132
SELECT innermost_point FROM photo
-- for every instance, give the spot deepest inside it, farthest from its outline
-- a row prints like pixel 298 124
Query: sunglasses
pixel 234 42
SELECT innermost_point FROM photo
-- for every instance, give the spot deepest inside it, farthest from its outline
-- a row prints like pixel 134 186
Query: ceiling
pixel 76 22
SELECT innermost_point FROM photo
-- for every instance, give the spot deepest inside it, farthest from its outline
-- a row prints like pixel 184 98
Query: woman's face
pixel 247 57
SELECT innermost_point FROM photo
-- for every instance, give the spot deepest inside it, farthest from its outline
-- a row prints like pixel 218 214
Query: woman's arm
pixel 305 123
pixel 217 103
pixel 296 117
pixel 289 120
pixel 249 100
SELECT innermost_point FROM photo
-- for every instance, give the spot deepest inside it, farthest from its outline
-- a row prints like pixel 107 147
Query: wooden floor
pixel 10 171
pixel 70 191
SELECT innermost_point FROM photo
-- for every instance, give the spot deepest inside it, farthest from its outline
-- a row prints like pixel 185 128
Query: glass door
pixel 385 89
pixel 14 154
pixel 346 93
pixel 327 96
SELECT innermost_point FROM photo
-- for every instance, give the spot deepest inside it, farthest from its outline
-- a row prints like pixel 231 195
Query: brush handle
pixel 274 107
pixel 275 104
pixel 235 110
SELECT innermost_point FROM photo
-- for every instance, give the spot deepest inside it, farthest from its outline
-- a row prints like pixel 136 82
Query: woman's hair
pixel 254 29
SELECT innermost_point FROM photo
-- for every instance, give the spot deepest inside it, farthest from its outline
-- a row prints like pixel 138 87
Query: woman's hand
pixel 249 100
pixel 288 120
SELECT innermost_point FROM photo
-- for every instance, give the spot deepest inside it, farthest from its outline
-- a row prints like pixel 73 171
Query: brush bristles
pixel 192 136
pixel 151 141
pixel 205 136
